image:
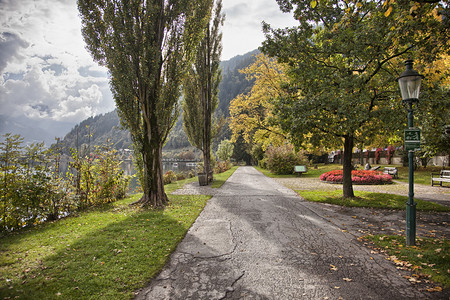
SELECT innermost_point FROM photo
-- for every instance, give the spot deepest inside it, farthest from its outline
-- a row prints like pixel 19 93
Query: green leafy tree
pixel 225 150
pixel 147 47
pixel 434 111
pixel 344 58
pixel 201 88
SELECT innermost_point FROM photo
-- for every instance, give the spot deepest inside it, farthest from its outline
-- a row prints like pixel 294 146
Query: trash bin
pixel 202 179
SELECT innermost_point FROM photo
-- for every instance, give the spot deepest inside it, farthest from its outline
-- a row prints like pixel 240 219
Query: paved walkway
pixel 257 239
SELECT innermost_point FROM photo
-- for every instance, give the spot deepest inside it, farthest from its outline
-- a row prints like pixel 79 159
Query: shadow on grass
pixel 106 262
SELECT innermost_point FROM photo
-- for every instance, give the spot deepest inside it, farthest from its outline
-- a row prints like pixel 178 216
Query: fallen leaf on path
pixel 347 279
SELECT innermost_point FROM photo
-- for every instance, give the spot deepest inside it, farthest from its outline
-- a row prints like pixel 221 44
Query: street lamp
pixel 410 81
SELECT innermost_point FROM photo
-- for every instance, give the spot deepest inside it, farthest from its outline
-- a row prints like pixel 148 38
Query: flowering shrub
pixel 358 177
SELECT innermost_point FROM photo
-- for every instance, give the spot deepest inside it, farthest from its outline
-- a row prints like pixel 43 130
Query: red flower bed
pixel 358 177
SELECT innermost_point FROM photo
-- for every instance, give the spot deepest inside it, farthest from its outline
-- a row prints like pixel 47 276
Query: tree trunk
pixel 207 102
pixel 153 185
pixel 361 155
pixel 347 186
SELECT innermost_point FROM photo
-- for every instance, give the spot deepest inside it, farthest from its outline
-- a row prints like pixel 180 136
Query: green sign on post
pixel 412 139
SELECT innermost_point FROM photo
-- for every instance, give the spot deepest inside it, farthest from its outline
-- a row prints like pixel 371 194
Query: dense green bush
pixel 281 160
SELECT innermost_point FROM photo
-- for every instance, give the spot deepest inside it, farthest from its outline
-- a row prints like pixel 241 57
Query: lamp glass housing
pixel 410 87
pixel 410 82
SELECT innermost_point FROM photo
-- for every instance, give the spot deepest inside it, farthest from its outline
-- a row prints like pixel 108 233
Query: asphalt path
pixel 257 239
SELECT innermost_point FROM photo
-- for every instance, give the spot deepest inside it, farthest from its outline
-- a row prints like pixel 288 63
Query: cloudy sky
pixel 48 80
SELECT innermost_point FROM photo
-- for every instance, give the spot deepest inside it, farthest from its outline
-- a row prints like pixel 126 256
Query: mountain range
pixel 106 127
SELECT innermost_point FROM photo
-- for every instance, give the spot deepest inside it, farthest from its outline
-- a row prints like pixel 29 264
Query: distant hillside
pixel 106 127
pixel 233 82
pixel 97 131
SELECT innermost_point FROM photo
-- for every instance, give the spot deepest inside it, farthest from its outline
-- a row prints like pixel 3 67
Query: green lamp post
pixel 410 81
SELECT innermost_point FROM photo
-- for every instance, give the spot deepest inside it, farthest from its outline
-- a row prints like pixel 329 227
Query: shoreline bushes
pixel 33 191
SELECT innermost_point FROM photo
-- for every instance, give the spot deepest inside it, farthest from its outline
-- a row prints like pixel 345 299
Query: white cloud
pixel 242 31
pixel 48 78
pixel 46 73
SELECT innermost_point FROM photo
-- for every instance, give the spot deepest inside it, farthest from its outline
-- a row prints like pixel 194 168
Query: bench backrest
pixel 445 173
pixel 300 168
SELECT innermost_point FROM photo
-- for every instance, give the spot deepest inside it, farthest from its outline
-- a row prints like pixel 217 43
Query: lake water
pixel 178 167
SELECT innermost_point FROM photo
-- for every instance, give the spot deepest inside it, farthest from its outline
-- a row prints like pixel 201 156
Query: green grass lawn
pixel 104 253
pixel 429 258
pixel 421 175
pixel 107 252
pixel 219 179
pixel 368 199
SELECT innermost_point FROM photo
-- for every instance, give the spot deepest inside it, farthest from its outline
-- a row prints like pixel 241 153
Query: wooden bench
pixel 300 170
pixel 444 176
pixel 391 171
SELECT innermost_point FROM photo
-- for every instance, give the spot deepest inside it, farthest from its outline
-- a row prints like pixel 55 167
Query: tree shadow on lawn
pixel 110 262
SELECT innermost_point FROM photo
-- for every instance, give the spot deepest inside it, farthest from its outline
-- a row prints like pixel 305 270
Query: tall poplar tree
pixel 147 46
pixel 201 88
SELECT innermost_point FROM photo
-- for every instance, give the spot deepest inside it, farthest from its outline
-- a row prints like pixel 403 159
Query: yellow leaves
pixel 414 8
pixel 333 268
pixel 388 2
pixel 251 114
pixel 388 12
pixel 435 289
pixel 313 3
pixel 413 279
